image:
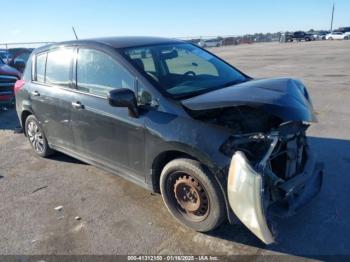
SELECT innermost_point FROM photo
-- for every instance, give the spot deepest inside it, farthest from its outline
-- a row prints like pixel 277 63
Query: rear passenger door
pixel 51 95
pixel 102 133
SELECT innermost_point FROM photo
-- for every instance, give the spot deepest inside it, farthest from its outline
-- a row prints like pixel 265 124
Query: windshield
pixel 182 70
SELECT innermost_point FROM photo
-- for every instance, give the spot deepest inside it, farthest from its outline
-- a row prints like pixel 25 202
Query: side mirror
pixel 123 97
pixel 19 65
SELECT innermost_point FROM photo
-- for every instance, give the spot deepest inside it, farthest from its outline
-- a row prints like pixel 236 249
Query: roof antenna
pixel 76 37
pixel 332 18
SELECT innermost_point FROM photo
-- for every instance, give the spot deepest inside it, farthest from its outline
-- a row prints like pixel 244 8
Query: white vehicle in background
pixel 210 43
pixel 338 36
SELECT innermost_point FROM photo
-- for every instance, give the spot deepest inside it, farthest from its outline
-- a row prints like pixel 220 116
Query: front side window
pixel 98 73
pixel 182 70
pixel 58 66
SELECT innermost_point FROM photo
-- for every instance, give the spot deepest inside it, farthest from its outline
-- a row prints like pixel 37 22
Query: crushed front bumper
pixel 248 195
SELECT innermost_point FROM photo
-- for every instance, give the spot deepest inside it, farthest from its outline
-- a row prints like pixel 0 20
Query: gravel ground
pixel 118 217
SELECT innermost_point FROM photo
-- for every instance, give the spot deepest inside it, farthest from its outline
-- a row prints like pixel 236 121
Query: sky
pixel 50 20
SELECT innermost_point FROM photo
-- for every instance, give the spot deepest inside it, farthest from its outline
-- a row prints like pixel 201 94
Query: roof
pixel 131 41
pixel 120 41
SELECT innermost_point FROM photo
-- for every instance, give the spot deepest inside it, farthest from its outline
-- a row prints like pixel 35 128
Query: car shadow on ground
pixel 320 228
pixel 58 156
pixel 8 119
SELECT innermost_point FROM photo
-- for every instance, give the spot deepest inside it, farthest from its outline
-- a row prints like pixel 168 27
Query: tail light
pixel 18 85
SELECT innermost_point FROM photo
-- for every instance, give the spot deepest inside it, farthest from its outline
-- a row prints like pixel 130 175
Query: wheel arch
pixel 24 115
pixel 161 160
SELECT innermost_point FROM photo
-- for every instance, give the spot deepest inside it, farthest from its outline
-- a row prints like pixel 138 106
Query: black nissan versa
pixel 176 119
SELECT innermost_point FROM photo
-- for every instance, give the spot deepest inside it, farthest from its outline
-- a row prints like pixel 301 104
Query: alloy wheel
pixel 35 136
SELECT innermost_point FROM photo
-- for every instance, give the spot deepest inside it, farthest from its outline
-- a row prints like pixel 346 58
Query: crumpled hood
pixel 8 70
pixel 285 98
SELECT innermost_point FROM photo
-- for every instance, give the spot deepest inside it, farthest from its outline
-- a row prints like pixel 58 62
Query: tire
pixel 203 215
pixel 36 137
pixel 346 38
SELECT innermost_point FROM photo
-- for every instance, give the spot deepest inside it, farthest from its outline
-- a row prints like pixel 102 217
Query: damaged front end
pixel 271 174
pixel 272 171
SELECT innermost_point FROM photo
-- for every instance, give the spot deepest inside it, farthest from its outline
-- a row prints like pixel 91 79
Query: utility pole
pixel 332 18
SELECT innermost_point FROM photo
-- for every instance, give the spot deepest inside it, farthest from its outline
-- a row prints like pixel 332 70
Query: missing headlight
pixel 253 145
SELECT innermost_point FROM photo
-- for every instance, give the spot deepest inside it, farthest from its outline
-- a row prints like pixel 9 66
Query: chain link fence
pixel 23 45
pixel 223 40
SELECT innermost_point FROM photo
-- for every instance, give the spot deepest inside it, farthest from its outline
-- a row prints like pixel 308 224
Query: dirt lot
pixel 118 217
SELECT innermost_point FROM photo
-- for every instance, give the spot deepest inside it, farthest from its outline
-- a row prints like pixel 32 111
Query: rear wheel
pixel 346 38
pixel 192 195
pixel 37 137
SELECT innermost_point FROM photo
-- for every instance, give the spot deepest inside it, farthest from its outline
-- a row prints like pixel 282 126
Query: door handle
pixel 35 93
pixel 77 105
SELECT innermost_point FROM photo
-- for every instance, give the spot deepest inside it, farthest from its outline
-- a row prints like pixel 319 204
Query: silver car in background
pixel 210 43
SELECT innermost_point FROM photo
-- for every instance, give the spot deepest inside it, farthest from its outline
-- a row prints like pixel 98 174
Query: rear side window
pixel 98 73
pixel 58 67
pixel 40 67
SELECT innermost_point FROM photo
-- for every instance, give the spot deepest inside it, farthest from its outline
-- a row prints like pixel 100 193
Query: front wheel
pixel 37 137
pixel 192 195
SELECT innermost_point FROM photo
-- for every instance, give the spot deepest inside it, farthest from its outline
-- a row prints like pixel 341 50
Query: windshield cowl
pixel 194 94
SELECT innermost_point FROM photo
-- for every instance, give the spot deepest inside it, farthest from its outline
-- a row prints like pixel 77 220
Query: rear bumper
pixel 248 194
